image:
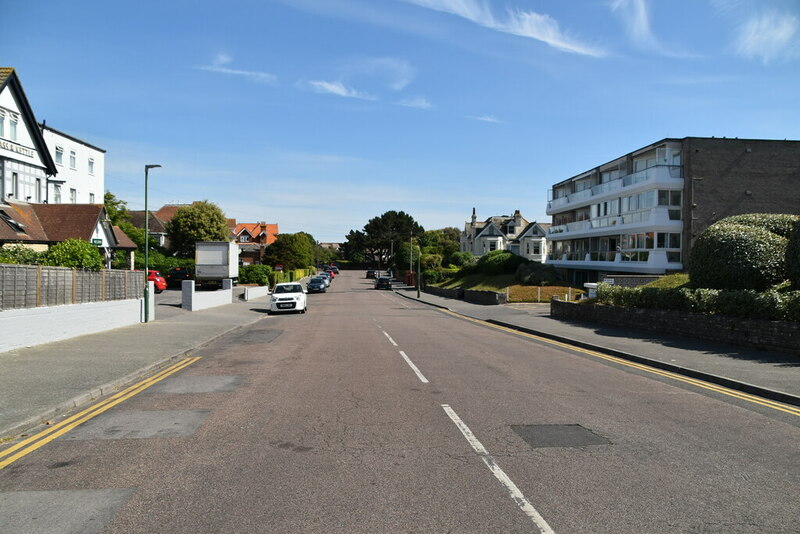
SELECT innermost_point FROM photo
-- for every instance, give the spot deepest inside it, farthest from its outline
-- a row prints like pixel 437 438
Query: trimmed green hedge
pixel 538 274
pixel 494 263
pixel 770 305
pixel 255 274
pixel 733 256
pixel 781 224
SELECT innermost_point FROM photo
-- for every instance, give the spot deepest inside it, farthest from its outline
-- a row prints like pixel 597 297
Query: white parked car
pixel 288 296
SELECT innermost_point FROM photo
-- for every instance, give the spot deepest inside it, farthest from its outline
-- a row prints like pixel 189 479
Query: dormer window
pixel 244 238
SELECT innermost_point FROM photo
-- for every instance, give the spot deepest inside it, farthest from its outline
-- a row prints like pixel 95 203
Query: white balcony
pixel 666 175
pixel 656 263
pixel 651 219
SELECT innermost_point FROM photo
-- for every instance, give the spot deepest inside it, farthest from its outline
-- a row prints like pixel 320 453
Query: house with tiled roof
pixel 513 233
pixel 40 226
pixel 252 239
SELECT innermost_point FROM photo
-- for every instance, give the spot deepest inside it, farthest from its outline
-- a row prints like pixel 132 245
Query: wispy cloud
pixel 635 15
pixel 397 73
pixel 339 89
pixel 769 36
pixel 517 22
pixel 218 65
pixel 486 118
pixel 419 102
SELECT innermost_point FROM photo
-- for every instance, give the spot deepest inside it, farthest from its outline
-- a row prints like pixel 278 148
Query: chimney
pixel 474 216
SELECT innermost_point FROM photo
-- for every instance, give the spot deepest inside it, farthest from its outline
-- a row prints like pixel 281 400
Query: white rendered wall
pixel 192 300
pixel 251 293
pixel 79 177
pixel 35 326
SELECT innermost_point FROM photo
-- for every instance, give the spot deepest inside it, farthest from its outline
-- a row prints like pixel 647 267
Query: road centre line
pixel 513 491
pixel 414 368
pixel 389 338
pixel 642 367
pixel 46 436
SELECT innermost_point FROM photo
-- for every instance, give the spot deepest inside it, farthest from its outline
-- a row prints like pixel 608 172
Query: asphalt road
pixel 373 413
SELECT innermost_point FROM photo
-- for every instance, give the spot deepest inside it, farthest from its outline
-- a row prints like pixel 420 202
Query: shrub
pixel 732 256
pixel 20 254
pixel 537 274
pixel 460 259
pixel 499 262
pixel 255 274
pixel 75 253
pixel 777 223
pixel 793 256
pixel 432 276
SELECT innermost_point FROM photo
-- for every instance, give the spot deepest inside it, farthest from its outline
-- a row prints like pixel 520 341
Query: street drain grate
pixel 540 436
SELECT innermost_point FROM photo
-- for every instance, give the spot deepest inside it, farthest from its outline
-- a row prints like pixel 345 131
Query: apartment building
pixel 640 213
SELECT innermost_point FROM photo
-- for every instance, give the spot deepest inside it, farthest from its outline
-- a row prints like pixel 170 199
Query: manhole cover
pixel 539 436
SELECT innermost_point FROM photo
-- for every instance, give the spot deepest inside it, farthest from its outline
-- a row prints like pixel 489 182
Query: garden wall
pixel 781 336
pixel 468 295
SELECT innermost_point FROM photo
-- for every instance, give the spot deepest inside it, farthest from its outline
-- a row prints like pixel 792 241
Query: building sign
pixel 97 242
pixel 13 147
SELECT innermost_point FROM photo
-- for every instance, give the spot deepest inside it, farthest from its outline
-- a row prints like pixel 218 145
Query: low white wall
pixel 192 300
pixel 251 293
pixel 35 326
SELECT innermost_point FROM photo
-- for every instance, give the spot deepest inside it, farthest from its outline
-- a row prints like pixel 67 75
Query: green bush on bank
pixel 733 256
pixel 772 305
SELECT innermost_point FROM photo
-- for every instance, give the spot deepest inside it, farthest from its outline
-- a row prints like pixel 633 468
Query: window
pixel 38 191
pixel 91 198
pixel 59 155
pixel 73 196
pixel 536 248
pixel 73 159
pixel 492 245
pixel 2 124
pixel 12 128
pixel 244 238
pixel 15 185
pixel 91 166
pixel 57 194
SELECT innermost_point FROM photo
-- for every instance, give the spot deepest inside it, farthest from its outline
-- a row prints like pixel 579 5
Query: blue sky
pixel 320 114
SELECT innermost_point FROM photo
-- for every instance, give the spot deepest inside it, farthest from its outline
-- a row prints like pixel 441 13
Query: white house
pixel 39 164
pixel 502 232
pixel 80 166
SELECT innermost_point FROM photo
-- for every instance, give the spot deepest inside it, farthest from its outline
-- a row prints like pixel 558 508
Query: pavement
pixel 40 383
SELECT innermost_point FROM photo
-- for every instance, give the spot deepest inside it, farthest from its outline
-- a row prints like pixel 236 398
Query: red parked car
pixel 158 281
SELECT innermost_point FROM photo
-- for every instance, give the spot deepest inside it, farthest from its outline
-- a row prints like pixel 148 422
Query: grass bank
pixel 508 283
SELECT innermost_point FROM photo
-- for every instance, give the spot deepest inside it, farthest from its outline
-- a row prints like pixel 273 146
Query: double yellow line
pixel 15 452
pixel 792 410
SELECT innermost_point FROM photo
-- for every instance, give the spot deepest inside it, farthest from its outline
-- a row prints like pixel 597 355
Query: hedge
pixel 733 256
pixel 769 305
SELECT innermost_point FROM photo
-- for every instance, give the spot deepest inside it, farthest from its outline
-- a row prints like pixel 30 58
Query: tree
pixel 443 242
pixel 354 246
pixel 293 251
pixel 116 209
pixel 75 253
pixel 202 221
pixel 386 231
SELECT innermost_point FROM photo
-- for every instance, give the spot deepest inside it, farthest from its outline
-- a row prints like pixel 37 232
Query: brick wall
pixel 765 335
pixel 727 177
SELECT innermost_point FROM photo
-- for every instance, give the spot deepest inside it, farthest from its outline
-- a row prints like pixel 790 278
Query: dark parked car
pixel 316 285
pixel 383 283
pixel 371 273
pixel 177 275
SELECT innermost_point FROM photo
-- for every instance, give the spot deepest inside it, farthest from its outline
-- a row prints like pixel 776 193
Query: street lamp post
pixel 147 246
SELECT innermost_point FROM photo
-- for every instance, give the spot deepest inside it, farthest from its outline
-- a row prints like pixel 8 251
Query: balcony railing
pixel 653 174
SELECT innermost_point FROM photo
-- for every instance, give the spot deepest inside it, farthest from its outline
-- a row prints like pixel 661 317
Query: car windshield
pixel 294 288
pixel 317 281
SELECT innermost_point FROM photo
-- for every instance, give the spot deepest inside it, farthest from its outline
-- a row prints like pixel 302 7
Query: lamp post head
pixel 148 167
